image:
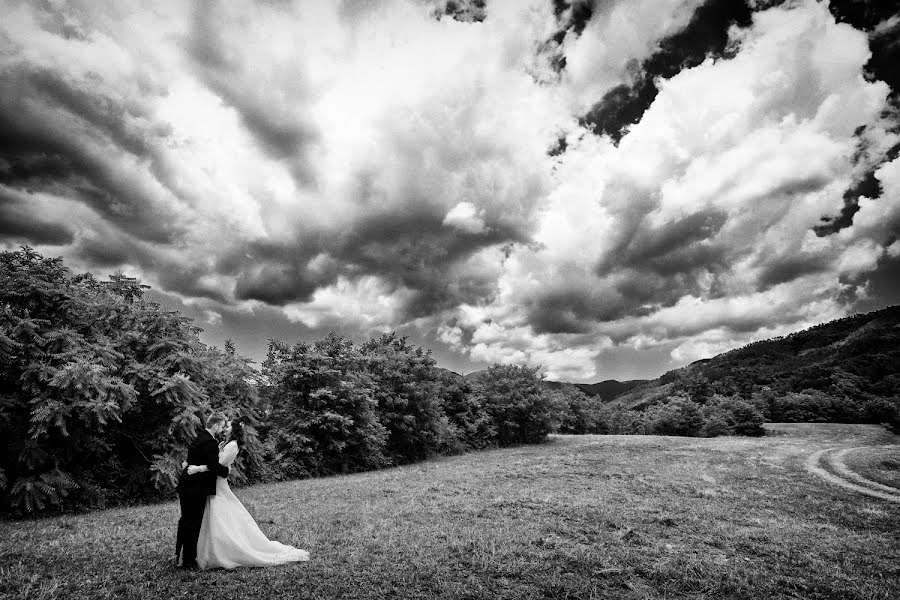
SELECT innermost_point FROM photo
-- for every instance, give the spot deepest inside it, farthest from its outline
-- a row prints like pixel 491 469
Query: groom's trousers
pixel 192 508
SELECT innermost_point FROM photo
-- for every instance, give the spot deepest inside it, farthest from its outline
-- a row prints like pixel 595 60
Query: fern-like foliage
pixel 97 383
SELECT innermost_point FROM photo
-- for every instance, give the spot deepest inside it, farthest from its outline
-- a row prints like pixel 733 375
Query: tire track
pixel 844 475
pixel 842 470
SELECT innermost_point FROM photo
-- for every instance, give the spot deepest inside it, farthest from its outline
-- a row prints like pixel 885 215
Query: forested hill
pixel 609 389
pixel 855 358
pixel 605 390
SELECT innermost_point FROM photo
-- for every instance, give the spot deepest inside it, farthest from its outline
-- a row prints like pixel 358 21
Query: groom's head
pixel 216 423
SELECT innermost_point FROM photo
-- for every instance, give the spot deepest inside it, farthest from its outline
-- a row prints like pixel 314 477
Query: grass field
pixel 577 517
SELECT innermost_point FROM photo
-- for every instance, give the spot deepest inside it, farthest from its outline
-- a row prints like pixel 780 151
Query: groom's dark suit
pixel 192 492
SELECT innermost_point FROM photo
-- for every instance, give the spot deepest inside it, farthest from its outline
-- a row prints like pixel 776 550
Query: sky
pixel 608 189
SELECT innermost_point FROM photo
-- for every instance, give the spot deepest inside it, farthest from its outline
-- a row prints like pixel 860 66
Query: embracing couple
pixel 215 530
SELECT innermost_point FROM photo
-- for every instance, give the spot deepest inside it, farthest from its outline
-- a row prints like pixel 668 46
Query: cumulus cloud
pixel 465 217
pixel 559 183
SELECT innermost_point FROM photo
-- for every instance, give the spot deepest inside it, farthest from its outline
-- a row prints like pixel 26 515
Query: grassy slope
pixel 579 517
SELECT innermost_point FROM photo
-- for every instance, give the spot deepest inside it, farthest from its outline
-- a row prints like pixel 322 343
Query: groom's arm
pixel 212 461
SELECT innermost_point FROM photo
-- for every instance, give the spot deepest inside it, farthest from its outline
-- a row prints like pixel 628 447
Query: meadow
pixel 577 517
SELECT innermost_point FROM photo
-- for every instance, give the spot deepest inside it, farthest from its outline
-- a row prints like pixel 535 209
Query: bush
pixel 746 419
pixel 575 412
pixel 324 415
pixel 716 424
pixel 883 411
pixel 517 402
pixel 406 390
pixel 679 415
pixel 614 419
pixel 471 425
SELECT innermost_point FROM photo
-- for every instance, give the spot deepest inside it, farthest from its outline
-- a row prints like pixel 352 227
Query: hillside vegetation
pixel 604 390
pixel 844 371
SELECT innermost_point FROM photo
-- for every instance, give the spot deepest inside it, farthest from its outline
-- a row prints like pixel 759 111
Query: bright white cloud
pixel 465 217
pixel 367 304
pixel 612 45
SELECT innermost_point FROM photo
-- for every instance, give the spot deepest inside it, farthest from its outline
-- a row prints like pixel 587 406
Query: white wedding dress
pixel 230 538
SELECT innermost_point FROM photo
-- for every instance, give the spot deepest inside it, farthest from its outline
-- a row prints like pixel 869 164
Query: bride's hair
pixel 237 432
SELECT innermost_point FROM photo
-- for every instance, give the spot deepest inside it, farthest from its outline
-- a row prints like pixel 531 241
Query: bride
pixel 229 537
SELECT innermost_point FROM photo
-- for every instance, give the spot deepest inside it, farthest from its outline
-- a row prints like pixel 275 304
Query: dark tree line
pixel 101 391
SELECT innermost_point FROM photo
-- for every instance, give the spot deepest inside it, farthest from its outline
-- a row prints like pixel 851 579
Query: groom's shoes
pixel 189 566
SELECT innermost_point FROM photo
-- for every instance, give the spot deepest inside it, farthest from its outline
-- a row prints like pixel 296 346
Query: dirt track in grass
pixel 830 465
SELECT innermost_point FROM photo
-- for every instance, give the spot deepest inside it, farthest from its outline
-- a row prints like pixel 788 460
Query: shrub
pixel 746 419
pixel 679 415
pixel 576 413
pixel 324 416
pixel 470 424
pixel 517 402
pixel 405 386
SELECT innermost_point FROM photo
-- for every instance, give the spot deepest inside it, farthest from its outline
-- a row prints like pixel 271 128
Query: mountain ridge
pixel 853 357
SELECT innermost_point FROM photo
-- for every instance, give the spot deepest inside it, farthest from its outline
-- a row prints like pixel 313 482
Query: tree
pixel 678 415
pixel 100 389
pixel 323 411
pixel 575 411
pixel 405 387
pixel 517 402
pixel 469 422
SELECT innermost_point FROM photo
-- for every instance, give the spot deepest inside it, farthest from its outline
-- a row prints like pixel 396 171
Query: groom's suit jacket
pixel 203 451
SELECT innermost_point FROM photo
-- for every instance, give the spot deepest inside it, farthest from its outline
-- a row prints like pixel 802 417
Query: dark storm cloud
pixel 19 223
pixel 560 311
pixel 705 35
pixel 188 279
pixel 278 284
pixel 787 268
pixel 42 153
pixel 271 120
pixel 413 250
pixel 576 310
pixel 652 268
pixel 112 250
pixel 670 248
pixel 102 114
pixel 109 251
pixel 418 252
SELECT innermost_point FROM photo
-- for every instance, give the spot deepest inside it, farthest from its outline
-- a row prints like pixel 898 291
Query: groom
pixel 193 489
